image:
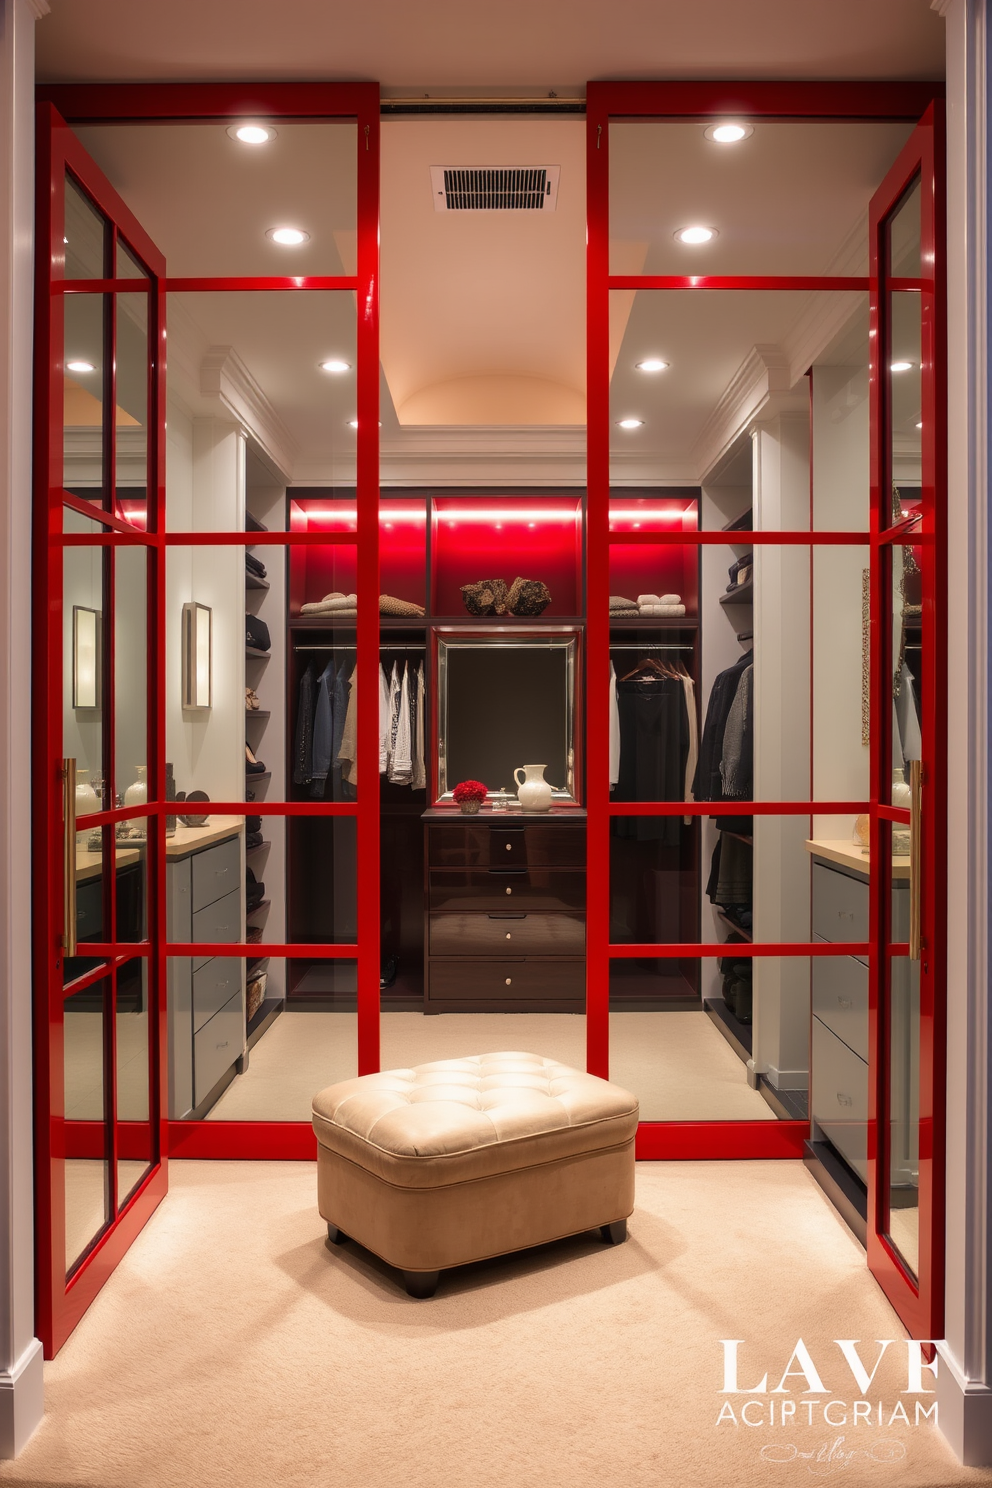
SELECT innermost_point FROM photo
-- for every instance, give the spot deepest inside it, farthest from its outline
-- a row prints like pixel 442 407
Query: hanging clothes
pixel 736 761
pixel 707 784
pixel 323 731
pixel 689 688
pixel 654 744
pixel 347 754
pixel 907 736
pixel 614 729
pixel 395 694
pixel 303 742
pixel 401 761
pixel 419 781
pixel 385 716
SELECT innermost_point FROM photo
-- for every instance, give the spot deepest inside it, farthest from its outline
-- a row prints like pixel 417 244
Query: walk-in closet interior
pixel 738 671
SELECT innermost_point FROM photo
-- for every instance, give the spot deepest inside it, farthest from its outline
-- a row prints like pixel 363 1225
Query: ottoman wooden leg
pixel 336 1236
pixel 421 1283
pixel 615 1233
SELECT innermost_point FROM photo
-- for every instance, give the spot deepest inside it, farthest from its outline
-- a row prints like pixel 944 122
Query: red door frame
pixel 704 101
pixel 60 1305
pixel 167 102
pixel 920 1303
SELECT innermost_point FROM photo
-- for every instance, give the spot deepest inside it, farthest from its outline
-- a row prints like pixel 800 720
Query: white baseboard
pixel 22 1400
pixel 964 1414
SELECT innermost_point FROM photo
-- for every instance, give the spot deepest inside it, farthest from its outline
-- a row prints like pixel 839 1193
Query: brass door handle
pixel 915 859
pixel 68 773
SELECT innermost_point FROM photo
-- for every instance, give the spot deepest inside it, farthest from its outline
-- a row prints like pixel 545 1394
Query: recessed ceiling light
pixel 630 423
pixel 80 367
pixel 252 134
pixel 653 364
pixel 334 364
pixel 901 366
pixel 353 423
pixel 729 134
pixel 919 426
pixel 289 237
pixel 696 234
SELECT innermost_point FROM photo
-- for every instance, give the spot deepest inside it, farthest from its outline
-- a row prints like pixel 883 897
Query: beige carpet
pixel 232 1347
pixel 678 1064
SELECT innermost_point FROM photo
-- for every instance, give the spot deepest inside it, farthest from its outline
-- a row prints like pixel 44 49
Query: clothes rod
pixel 630 646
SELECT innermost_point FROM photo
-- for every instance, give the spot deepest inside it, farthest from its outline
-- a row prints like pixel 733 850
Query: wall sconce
pixel 86 667
pixel 197 657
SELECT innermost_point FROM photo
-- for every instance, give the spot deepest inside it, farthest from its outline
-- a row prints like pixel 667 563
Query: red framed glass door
pixel 908 721
pixel 99 484
pixel 804 552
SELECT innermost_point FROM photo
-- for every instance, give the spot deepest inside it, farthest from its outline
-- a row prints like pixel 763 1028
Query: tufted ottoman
pixel 467 1158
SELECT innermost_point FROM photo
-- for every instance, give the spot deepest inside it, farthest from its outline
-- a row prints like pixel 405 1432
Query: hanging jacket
pixel 303 743
pixel 323 730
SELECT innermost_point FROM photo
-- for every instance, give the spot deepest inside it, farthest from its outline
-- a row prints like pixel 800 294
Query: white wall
pixel 781 749
pixel 965 1378
pixel 21 1385
pixel 841 472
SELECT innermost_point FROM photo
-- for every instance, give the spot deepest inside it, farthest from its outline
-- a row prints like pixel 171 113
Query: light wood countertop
pixel 849 855
pixel 187 840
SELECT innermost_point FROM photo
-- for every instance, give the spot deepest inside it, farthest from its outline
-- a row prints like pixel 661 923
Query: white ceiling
pixel 483 333
pixel 447 44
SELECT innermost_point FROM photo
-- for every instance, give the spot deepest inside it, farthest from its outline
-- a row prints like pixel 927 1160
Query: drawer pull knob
pixel 508 935
pixel 509 981
pixel 509 846
pixel 509 890
pixel 844 1100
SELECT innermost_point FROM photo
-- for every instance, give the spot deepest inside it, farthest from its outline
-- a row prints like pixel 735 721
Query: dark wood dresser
pixel 505 908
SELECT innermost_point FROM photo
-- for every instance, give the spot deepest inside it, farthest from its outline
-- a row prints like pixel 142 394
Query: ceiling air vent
pixel 495 188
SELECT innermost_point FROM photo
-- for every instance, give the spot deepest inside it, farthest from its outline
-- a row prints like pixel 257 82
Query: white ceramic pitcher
pixel 533 791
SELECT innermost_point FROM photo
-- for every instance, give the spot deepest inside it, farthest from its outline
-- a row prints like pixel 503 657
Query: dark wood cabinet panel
pixel 514 888
pixel 478 845
pixel 507 934
pixel 487 984
pixel 505 915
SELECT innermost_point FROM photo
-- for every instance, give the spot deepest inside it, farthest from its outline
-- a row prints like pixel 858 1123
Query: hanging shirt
pixel 303 742
pixel 323 730
pixel 689 688
pixel 419 780
pixel 908 735
pixel 654 741
pixel 385 714
pixel 401 763
pixel 395 693
pixel 348 752
pixel 614 729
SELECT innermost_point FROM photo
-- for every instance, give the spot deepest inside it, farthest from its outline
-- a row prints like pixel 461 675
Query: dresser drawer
pixel 505 845
pixel 509 888
pixel 840 905
pixel 214 984
pixel 840 999
pixel 217 1045
pixel 217 922
pixel 507 981
pixel 507 934
pixel 840 1097
pixel 216 871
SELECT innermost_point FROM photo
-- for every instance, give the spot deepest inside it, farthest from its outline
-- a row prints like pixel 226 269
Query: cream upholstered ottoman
pixel 467 1158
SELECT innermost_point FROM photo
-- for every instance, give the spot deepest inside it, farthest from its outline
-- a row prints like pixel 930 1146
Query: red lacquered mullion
pixel 367 629
pixel 119 103
pixel 597 589
pixel 804 282
pixel 762 100
pixel 267 282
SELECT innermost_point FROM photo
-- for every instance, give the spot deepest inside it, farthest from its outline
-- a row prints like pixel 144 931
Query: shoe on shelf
pixel 251 701
pixel 253 766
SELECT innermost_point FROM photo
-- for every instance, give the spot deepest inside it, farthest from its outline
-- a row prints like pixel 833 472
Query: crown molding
pixel 763 375
pixel 225 377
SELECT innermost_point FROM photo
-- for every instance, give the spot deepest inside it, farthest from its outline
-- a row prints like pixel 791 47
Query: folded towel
pixel 390 606
pixel 619 614
pixel 662 610
pixel 331 604
pixel 656 599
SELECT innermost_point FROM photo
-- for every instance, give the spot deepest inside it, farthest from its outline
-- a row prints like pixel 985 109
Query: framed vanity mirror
pixel 506 701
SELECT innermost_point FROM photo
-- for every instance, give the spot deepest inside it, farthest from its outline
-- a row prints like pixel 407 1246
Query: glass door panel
pixel 907 755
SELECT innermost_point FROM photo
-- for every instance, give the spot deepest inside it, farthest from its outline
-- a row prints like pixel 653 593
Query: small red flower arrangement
pixel 469 795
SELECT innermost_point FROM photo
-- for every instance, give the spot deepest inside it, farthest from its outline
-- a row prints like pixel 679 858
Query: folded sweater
pixel 671 610
pixel 658 599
